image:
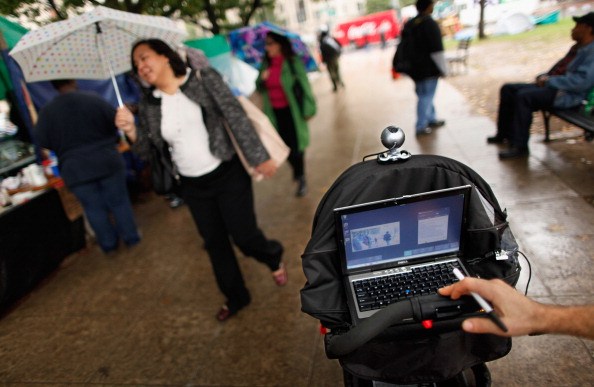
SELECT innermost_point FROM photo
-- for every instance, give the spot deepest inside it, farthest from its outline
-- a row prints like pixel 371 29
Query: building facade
pixel 307 16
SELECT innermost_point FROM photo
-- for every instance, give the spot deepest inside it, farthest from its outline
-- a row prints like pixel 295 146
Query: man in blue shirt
pixel 565 85
pixel 79 127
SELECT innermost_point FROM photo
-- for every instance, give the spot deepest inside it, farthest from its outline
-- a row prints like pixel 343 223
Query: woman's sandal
pixel 280 276
pixel 224 313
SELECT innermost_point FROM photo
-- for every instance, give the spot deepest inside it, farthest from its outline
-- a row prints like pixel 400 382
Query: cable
pixel 529 272
pixel 373 154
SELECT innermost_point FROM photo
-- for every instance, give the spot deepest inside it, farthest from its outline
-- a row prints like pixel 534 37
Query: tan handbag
pixel 274 144
pixel 270 138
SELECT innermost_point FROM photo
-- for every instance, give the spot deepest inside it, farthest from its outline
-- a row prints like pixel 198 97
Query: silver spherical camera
pixel 393 138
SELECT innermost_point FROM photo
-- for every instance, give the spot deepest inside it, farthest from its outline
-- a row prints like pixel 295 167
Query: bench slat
pixel 572 116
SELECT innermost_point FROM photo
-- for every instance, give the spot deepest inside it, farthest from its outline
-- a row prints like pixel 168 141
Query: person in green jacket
pixel 281 80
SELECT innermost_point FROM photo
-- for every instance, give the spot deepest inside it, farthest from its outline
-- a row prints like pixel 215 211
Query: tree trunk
pixel 481 26
pixel 255 5
pixel 212 17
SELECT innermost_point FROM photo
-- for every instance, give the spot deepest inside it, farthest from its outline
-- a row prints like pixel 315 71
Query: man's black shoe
pixel 513 153
pixel 496 140
pixel 423 132
pixel 436 124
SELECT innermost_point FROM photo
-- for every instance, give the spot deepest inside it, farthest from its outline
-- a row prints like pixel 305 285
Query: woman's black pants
pixel 222 206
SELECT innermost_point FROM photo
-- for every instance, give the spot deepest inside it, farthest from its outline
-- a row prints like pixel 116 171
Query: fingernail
pixel 467 326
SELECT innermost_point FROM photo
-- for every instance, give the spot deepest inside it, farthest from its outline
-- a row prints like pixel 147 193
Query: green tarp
pixel 214 46
pixel 11 32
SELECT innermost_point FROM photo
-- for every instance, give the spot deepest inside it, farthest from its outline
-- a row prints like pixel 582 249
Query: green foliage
pixel 404 3
pixel 546 33
pixel 209 14
pixel 373 6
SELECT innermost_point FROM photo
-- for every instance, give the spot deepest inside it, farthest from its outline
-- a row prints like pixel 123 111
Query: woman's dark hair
pixel 59 83
pixel 286 48
pixel 160 47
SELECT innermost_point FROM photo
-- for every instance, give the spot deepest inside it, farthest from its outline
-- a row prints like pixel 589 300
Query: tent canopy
pixel 238 74
pixel 11 32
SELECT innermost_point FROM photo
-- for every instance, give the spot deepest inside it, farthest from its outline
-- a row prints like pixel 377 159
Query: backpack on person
pixel 403 57
pixel 330 48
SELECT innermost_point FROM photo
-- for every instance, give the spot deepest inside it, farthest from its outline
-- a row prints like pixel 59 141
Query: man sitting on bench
pixel 564 86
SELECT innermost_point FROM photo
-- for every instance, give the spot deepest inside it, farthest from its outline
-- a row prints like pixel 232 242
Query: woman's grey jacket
pixel 218 105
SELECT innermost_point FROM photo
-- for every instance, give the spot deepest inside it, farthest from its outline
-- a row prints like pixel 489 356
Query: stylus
pixel 483 303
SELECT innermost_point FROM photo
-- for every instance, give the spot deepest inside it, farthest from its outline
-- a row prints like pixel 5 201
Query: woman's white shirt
pixel 182 126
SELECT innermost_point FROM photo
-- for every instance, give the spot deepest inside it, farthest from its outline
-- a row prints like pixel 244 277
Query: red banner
pixel 368 29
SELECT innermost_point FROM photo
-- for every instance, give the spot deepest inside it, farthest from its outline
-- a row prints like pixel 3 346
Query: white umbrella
pixel 94 45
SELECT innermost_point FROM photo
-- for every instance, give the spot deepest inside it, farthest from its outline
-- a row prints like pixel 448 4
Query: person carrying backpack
pixel 331 50
pixel 421 55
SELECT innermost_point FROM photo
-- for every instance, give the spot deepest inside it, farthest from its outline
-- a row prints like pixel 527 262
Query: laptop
pixel 395 249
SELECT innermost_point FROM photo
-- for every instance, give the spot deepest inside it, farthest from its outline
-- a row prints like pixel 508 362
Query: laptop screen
pixel 399 230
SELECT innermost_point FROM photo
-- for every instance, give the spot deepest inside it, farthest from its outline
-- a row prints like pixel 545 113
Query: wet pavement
pixel 146 315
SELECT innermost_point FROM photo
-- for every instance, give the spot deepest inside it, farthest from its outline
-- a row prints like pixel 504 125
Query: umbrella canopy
pixel 248 44
pixel 94 45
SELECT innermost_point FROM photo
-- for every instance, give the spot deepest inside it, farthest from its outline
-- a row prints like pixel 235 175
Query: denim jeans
pixel 103 198
pixel 425 90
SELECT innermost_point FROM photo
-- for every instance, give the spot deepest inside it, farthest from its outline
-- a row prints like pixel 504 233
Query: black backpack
pixel 417 355
pixel 330 48
pixel 403 57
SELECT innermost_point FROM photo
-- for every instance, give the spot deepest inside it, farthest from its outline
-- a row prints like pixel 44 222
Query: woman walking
pixel 281 69
pixel 186 112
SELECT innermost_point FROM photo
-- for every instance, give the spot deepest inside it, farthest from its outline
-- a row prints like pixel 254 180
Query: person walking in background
pixel 564 86
pixel 187 111
pixel 428 64
pixel 79 127
pixel 330 49
pixel 280 70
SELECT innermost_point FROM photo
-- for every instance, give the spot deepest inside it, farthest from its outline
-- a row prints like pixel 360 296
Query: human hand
pixel 124 120
pixel 542 80
pixel 267 168
pixel 264 75
pixel 521 315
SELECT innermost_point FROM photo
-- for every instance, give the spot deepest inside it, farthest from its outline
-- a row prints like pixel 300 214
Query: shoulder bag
pixel 271 140
pixel 161 176
pixel 269 136
pixel 297 89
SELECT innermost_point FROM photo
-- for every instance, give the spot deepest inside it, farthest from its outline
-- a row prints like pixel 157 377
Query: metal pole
pixel 107 63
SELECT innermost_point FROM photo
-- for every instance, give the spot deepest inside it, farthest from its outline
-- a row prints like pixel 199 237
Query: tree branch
pixel 255 5
pixel 55 8
pixel 212 17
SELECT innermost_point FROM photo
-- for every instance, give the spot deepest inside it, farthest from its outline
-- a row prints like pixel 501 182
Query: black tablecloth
pixel 35 237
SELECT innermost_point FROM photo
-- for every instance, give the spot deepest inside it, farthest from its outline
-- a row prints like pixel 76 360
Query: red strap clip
pixel 323 330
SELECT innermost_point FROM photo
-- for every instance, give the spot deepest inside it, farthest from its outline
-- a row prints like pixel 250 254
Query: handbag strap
pixel 293 72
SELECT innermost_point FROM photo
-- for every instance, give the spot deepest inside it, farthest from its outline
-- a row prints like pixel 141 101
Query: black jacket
pixel 426 36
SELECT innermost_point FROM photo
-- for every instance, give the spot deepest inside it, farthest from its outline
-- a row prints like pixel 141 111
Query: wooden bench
pixel 575 117
pixel 459 59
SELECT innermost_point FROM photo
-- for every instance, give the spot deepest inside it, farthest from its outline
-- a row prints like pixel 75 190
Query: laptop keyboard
pixel 379 292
